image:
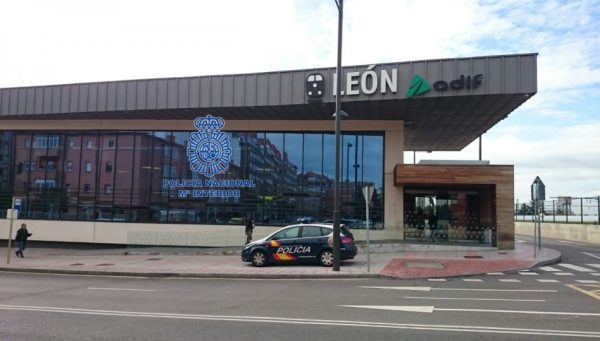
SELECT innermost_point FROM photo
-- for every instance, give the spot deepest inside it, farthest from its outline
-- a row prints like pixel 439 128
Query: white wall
pixel 576 232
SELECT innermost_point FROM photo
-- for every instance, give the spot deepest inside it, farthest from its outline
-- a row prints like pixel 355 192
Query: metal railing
pixel 578 210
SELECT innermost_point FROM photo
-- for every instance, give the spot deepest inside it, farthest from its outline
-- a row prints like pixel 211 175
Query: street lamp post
pixel 338 117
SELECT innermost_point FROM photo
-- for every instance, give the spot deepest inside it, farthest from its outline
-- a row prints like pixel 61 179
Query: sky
pixel 555 135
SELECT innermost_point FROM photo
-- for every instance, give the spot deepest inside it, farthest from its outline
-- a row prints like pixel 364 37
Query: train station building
pixel 184 161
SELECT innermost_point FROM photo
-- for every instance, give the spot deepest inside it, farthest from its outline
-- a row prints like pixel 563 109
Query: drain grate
pixel 104 264
pixel 153 258
pixel 469 257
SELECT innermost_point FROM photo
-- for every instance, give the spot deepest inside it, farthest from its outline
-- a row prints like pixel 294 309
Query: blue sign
pixel 209 150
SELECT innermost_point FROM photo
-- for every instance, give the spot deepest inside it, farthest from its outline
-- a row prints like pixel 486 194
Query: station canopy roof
pixel 445 104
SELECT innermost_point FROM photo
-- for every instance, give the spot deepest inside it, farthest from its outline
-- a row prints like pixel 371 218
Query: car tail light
pixel 346 240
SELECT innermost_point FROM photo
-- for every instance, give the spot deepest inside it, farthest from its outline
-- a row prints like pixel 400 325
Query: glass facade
pixel 118 176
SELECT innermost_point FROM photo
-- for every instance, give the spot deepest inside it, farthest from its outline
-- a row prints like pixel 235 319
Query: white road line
pixel 120 289
pixel 563 274
pixel 595 255
pixel 495 273
pixel 529 273
pixel 594 273
pixel 509 280
pixel 399 288
pixel 436 280
pixel 315 322
pixel 459 289
pixel 530 312
pixel 548 280
pixel 472 299
pixel 472 280
pixel 494 290
pixel 431 309
pixel 594 265
pixel 549 268
pixel 586 281
pixel 575 267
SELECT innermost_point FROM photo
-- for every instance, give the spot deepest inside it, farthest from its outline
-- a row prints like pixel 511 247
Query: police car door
pixel 313 238
pixel 283 245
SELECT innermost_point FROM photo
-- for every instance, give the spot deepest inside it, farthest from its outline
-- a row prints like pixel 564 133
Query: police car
pixel 298 243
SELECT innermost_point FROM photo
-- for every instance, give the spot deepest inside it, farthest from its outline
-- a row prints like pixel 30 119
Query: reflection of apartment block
pixel 5 164
pixel 98 170
pixel 315 187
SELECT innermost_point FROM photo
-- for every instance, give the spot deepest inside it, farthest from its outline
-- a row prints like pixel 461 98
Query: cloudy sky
pixel 554 135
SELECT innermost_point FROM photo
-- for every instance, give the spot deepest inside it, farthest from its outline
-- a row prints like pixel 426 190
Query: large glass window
pixel 118 176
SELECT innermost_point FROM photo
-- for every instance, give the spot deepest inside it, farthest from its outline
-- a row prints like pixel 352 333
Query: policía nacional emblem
pixel 209 150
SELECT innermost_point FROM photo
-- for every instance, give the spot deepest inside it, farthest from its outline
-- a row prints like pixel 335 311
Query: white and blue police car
pixel 299 243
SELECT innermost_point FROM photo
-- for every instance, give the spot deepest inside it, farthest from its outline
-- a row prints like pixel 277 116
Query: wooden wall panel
pixel 501 177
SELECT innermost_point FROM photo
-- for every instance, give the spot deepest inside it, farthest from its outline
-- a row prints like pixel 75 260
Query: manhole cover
pixel 424 265
pixel 75 264
pixel 104 264
pixel 153 258
pixel 468 257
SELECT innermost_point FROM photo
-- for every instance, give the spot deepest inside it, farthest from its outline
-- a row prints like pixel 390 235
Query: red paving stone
pixel 452 267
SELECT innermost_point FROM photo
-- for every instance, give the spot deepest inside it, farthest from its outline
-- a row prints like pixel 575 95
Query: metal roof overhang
pixel 435 121
pixel 431 124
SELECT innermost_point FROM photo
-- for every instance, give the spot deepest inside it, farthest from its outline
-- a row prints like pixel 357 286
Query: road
pixel 552 302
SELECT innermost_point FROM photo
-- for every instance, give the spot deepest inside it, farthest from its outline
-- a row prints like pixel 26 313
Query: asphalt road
pixel 529 305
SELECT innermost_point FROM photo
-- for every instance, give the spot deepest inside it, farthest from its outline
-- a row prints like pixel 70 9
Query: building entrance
pixel 451 215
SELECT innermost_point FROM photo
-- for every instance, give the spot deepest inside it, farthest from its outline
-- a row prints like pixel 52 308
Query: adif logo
pixel 418 86
pixel 209 150
pixel 315 86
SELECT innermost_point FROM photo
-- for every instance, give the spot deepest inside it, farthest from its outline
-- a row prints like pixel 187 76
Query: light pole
pixel 338 117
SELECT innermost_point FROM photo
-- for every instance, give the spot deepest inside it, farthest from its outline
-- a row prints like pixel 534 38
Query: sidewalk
pixel 227 263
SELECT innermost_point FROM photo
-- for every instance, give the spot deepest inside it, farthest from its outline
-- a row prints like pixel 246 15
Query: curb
pixel 188 275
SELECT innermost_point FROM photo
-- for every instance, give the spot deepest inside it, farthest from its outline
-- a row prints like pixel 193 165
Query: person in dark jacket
pixel 21 239
pixel 249 229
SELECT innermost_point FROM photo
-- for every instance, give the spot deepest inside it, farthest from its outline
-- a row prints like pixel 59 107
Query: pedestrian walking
pixel 249 230
pixel 432 221
pixel 21 240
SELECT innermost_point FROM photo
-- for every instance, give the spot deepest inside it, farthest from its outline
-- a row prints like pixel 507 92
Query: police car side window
pixel 311 231
pixel 325 231
pixel 287 234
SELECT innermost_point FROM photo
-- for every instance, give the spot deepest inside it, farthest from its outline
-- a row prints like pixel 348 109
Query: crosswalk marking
pixel 548 280
pixel 549 268
pixel 528 273
pixel 436 280
pixel 575 267
pixel 510 280
pixel 495 273
pixel 586 281
pixel 594 273
pixel 594 265
pixel 472 280
pixel 563 274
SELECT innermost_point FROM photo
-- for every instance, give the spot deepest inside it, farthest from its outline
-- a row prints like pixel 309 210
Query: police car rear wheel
pixel 259 258
pixel 326 258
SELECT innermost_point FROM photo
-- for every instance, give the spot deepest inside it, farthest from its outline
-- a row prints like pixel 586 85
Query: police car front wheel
pixel 326 258
pixel 259 258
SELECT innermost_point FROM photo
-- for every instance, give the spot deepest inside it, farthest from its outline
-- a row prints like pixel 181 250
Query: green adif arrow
pixel 418 86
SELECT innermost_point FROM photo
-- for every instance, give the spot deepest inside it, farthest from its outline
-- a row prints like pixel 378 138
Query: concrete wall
pixel 150 234
pixel 575 232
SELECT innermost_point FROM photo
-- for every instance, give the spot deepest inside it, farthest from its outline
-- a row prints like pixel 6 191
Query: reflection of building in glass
pixel 94 176
pixel 110 176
